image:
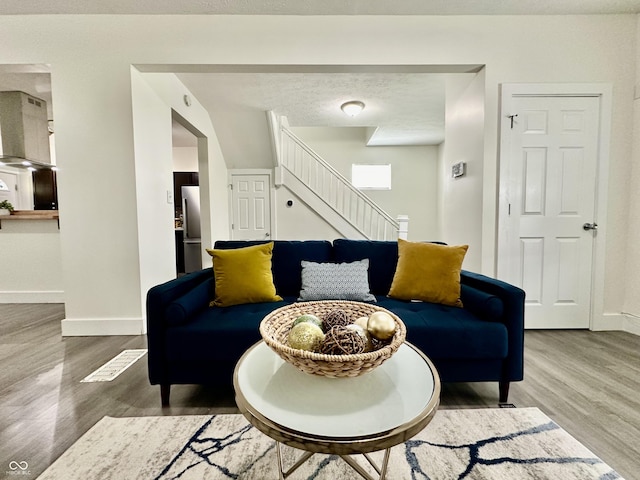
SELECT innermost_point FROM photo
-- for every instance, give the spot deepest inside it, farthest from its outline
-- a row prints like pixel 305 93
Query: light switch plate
pixel 170 197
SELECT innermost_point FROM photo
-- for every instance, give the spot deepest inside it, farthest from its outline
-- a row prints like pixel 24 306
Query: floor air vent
pixel 115 366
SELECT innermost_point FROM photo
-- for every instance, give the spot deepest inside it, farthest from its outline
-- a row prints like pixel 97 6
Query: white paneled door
pixel 552 163
pixel 251 204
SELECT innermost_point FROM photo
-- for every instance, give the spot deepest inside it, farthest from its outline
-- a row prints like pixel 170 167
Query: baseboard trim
pixel 632 324
pixel 618 321
pixel 608 321
pixel 44 296
pixel 85 327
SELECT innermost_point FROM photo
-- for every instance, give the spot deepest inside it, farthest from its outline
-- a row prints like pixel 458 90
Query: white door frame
pixel 604 92
pixel 272 195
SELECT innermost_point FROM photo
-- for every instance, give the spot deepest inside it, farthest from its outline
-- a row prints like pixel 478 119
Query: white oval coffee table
pixel 341 416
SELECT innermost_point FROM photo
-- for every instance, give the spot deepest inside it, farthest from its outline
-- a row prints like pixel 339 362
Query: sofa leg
pixel 504 391
pixel 165 391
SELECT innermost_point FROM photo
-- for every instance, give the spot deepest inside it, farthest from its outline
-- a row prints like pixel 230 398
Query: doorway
pixel 251 206
pixel 186 199
pixel 551 214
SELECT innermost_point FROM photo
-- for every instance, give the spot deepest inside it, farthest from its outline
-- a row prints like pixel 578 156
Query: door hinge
pixel 232 226
pixel 231 186
pixel 509 213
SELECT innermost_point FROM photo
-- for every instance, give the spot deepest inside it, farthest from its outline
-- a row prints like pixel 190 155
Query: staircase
pixel 327 192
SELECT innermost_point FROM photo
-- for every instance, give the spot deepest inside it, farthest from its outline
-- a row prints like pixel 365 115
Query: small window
pixel 371 177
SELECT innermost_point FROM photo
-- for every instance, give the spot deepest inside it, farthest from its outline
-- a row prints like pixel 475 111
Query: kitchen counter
pixel 32 215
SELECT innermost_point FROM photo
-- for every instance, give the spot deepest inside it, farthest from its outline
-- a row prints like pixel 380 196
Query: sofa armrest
pixel 486 306
pixel 513 317
pixel 158 300
pixel 182 309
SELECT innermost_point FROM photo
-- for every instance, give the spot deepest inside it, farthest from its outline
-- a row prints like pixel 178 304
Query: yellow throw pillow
pixel 428 272
pixel 243 275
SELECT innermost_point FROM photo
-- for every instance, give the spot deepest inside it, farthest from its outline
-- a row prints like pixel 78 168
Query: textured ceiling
pixel 321 7
pixel 405 108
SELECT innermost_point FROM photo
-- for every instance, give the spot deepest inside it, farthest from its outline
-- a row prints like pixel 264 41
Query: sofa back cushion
pixel 428 272
pixel 287 257
pixel 243 275
pixel 382 255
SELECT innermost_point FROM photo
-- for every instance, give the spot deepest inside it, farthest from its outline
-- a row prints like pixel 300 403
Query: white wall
pixel 90 58
pixel 461 197
pixel 185 159
pixel 154 98
pixel 31 266
pixel 631 306
pixel 413 173
pixel 299 222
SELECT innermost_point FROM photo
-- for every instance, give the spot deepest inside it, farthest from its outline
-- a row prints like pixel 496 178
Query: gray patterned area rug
pixel 482 444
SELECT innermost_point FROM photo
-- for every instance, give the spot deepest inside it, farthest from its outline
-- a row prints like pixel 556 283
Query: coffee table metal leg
pixel 303 458
pixel 381 471
pixel 385 463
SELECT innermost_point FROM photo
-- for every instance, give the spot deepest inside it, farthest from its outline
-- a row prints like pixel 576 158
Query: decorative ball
pixel 362 321
pixel 335 318
pixel 340 340
pixel 306 336
pixel 368 345
pixel 308 318
pixel 381 325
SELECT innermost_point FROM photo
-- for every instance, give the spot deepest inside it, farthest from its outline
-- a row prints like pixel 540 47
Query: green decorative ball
pixel 308 318
pixel 306 336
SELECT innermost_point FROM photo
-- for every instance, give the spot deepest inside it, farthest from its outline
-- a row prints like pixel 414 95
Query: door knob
pixel 590 226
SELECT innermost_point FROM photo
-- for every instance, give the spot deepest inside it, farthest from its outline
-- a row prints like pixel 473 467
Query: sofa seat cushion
pixel 445 332
pixel 219 333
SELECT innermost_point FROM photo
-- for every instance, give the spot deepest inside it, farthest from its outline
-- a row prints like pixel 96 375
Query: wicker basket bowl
pixel 275 327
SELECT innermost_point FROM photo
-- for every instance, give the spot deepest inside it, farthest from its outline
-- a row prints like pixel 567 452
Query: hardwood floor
pixel 588 382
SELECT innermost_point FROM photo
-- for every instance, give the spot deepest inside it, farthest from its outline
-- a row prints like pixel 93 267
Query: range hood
pixel 24 131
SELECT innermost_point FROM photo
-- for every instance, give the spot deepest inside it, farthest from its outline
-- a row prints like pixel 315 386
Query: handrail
pixel 346 183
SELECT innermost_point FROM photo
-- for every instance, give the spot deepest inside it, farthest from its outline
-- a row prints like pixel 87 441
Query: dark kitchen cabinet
pixel 45 189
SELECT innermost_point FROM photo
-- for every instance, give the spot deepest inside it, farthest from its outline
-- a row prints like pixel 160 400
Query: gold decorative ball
pixel 306 336
pixel 362 321
pixel 381 325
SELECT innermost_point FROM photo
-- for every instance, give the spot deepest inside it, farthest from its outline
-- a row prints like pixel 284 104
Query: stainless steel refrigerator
pixel 191 225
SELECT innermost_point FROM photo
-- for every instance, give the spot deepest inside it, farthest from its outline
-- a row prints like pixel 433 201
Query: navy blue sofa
pixel 192 343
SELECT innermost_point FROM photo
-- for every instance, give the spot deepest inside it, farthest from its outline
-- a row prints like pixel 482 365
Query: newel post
pixel 403 226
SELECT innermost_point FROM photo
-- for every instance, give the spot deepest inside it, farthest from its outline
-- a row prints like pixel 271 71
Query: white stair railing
pixel 336 191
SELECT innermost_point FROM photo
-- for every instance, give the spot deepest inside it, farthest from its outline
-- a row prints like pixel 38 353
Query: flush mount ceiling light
pixel 352 108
